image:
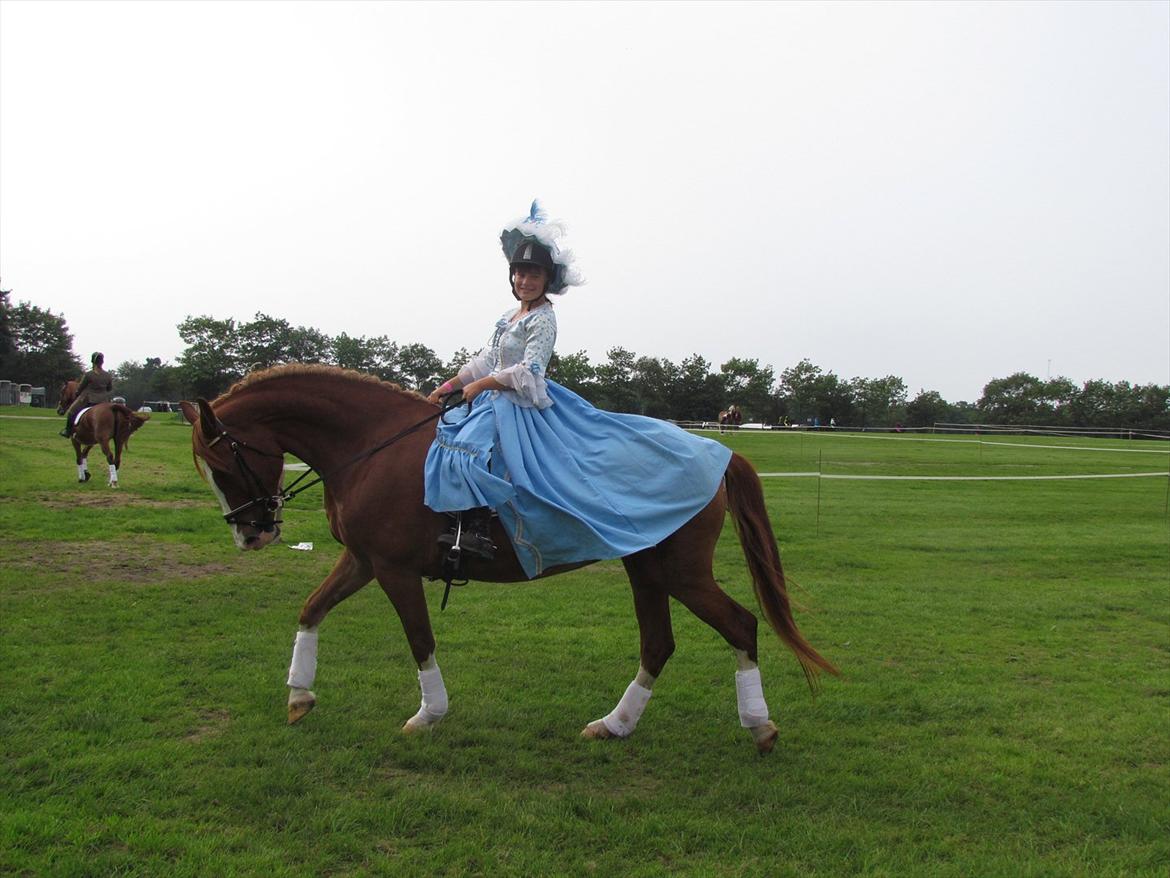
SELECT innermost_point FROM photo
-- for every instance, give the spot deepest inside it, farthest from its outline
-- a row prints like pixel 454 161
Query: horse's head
pixel 66 396
pixel 245 470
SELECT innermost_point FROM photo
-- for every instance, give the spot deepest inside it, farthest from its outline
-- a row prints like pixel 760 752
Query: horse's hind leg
pixel 405 590
pixel 347 576
pixel 105 443
pixel 700 594
pixel 686 559
pixel 652 607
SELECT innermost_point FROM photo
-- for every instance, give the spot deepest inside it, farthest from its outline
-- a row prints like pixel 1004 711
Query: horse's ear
pixel 189 411
pixel 208 422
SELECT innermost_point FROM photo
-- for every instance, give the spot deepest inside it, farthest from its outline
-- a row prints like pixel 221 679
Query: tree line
pixel 36 347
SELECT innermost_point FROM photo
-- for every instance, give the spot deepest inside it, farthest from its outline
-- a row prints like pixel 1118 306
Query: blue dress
pixel 569 481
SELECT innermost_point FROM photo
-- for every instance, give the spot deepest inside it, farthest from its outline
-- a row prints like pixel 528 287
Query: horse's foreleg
pixel 404 588
pixel 652 607
pixel 82 462
pixel 348 576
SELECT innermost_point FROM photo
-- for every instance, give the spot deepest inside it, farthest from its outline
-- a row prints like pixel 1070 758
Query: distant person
pixel 832 423
pixel 97 385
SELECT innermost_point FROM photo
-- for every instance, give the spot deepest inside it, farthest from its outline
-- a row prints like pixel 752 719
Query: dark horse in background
pixel 100 424
pixel 368 439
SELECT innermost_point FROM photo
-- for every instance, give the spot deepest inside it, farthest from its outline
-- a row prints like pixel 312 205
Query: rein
pixel 273 502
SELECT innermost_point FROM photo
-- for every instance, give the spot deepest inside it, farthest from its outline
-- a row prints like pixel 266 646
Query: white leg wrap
pixel 81 471
pixel 749 692
pixel 623 718
pixel 303 669
pixel 434 697
pixel 113 474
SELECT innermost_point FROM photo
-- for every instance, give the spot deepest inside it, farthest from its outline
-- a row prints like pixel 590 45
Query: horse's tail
pixel 745 500
pixel 134 420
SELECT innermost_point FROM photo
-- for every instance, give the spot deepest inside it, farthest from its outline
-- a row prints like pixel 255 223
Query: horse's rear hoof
pixel 597 731
pixel 86 479
pixel 765 736
pixel 297 710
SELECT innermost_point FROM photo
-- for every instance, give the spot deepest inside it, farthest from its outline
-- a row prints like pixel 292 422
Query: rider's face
pixel 529 282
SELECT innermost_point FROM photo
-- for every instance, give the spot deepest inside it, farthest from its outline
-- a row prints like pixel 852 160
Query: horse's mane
pixel 289 369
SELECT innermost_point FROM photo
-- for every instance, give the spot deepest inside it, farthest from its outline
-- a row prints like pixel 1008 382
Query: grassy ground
pixel 1005 708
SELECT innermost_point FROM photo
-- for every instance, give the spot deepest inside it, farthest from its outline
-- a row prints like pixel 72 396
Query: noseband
pixel 268 503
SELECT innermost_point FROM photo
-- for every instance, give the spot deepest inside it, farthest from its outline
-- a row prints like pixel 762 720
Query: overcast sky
pixel 946 192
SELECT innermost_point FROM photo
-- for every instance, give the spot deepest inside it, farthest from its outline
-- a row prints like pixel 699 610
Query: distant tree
pixel 6 345
pixel 262 342
pixel 574 372
pixel 421 370
pixel 700 395
pixel 808 392
pixel 751 387
pixel 39 347
pixel 615 391
pixel 654 383
pixel 151 380
pixel 879 402
pixel 211 361
pixel 927 409
pixel 308 345
pixel 1024 399
pixel 458 360
pixel 377 356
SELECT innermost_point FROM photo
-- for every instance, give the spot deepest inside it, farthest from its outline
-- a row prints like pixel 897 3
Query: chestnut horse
pixel 368 440
pixel 99 425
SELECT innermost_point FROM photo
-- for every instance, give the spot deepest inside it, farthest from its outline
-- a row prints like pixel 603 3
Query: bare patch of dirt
pixel 112 498
pixel 77 563
pixel 212 723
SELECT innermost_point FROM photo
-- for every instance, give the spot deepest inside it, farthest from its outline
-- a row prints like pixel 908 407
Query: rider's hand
pixel 472 390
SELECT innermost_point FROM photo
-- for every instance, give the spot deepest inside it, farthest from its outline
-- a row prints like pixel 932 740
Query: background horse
pixel 368 441
pixel 99 425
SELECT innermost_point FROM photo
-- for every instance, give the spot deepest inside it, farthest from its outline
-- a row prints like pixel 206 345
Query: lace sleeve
pixel 477 367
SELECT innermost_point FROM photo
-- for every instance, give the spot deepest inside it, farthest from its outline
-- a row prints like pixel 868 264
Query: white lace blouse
pixel 517 356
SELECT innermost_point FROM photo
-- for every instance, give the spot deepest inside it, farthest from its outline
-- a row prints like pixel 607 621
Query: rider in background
pixel 97 385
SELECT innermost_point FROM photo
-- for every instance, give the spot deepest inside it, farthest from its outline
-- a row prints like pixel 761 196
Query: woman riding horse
pixel 97 385
pixel 559 473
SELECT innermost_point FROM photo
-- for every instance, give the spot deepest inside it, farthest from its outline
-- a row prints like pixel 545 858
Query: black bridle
pixel 270 504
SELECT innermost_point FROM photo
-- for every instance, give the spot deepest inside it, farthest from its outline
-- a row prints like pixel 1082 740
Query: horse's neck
pixel 328 427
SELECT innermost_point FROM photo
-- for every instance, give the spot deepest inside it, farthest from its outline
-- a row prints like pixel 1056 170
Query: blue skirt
pixel 571 482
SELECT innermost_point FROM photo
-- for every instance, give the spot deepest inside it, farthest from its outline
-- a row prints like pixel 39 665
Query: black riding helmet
pixel 531 252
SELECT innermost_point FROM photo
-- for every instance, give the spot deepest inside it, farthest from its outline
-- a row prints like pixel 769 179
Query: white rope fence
pixel 874 478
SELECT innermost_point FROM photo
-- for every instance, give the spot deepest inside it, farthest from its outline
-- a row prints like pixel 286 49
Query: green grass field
pixel 1004 709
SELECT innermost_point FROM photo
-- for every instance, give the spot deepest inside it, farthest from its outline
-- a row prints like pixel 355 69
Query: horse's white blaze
pixel 622 720
pixel 303 670
pixel 434 696
pixel 241 541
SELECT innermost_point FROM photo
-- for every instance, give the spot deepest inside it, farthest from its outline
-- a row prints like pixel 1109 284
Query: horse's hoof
pixel 86 479
pixel 597 731
pixel 765 736
pixel 416 726
pixel 298 709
